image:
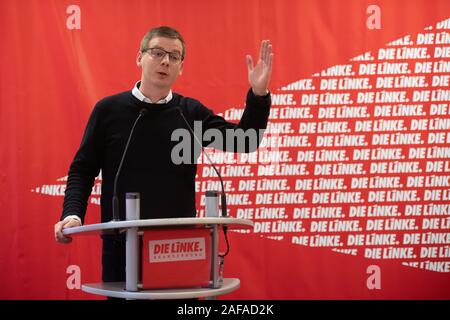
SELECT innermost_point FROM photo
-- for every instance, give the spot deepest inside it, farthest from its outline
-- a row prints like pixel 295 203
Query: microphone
pixel 223 195
pixel 115 199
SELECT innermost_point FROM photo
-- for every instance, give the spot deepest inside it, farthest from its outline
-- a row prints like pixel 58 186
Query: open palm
pixel 259 75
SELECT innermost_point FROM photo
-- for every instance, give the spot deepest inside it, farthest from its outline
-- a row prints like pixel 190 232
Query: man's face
pixel 160 73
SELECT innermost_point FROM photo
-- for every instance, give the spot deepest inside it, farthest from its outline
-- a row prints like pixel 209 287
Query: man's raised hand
pixel 259 75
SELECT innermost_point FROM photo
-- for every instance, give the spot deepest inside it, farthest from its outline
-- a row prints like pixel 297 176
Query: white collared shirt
pixel 139 95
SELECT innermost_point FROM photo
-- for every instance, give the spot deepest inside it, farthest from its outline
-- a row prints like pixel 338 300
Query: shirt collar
pixel 139 95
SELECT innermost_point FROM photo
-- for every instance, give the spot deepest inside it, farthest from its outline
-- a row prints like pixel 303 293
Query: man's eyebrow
pixel 159 47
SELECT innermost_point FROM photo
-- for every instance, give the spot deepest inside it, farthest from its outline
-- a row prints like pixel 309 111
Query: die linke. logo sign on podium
pixel 177 250
pixel 176 258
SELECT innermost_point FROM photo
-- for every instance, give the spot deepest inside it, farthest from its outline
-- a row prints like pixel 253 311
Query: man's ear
pixel 181 68
pixel 139 58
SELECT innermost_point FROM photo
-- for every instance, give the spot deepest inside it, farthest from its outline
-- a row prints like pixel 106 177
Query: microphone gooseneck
pixel 223 195
pixel 115 199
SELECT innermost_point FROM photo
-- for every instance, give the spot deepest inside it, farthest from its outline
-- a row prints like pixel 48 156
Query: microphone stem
pixel 223 195
pixel 115 199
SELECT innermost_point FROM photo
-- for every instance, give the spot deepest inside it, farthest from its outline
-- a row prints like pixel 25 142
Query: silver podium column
pixel 212 211
pixel 132 242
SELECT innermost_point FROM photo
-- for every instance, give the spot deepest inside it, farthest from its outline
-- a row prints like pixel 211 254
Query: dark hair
pixel 165 32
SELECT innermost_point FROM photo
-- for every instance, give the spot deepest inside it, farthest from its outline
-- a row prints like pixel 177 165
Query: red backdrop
pixel 52 75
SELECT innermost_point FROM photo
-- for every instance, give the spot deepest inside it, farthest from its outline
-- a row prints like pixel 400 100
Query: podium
pixel 134 228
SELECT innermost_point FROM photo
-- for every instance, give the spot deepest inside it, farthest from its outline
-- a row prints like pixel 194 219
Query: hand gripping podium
pixel 135 228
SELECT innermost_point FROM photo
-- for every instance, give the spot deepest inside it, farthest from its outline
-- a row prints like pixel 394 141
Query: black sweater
pixel 167 190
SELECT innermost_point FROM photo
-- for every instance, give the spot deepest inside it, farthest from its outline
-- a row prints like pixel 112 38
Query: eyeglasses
pixel 159 54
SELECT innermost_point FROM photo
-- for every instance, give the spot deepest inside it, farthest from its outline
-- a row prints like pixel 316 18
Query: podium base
pixel 117 290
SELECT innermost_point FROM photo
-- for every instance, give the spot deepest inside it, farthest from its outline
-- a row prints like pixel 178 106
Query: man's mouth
pixel 162 73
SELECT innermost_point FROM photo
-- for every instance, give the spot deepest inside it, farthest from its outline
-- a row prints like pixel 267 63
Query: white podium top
pixel 146 224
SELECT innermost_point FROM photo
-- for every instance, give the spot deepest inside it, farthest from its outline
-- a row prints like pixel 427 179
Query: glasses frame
pixel 174 57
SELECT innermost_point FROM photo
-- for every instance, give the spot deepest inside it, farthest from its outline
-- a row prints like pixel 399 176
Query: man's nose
pixel 165 59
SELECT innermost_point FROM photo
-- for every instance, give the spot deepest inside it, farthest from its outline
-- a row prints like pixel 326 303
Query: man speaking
pixel 152 112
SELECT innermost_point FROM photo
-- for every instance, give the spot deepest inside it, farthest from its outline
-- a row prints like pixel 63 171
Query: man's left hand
pixel 259 75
